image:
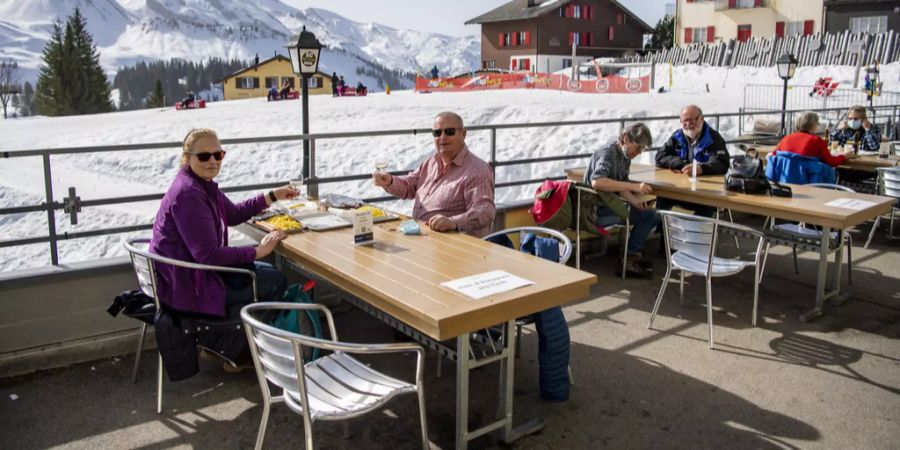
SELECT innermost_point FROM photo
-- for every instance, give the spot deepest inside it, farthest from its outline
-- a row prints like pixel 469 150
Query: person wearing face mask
pixel 608 172
pixel 857 130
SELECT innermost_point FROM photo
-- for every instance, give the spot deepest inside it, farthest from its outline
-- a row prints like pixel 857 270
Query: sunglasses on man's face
pixel 204 157
pixel 446 131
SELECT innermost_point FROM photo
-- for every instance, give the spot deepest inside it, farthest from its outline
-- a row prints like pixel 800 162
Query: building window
pixel 272 82
pixel 872 24
pixel 567 62
pixel 612 33
pixel 488 64
pixel 697 34
pixel 288 80
pixel 314 82
pixel 246 82
pixel 744 32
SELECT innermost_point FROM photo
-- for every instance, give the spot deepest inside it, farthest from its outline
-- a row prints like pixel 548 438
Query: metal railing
pixel 72 204
pixel 762 97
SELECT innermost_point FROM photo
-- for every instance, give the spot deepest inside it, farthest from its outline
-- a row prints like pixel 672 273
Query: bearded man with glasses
pixel 453 189
pixel 694 142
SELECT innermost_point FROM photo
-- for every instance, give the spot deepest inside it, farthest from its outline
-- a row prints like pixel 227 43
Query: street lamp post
pixel 304 50
pixel 786 64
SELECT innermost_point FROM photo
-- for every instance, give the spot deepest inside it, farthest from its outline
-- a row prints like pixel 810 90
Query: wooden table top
pixel 866 163
pixel 401 275
pixel 807 204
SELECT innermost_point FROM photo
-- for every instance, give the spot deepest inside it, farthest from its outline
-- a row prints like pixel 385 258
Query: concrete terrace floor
pixel 831 383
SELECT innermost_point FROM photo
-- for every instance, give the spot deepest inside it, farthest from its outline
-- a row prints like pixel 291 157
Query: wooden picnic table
pixel 865 163
pixel 399 280
pixel 808 205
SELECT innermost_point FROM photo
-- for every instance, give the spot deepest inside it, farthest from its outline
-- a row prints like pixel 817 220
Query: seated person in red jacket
pixel 806 143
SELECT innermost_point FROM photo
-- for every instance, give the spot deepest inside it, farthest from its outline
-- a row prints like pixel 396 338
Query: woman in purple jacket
pixel 192 225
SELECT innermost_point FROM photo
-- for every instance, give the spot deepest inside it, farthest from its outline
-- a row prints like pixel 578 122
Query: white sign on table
pixel 486 284
pixel 850 203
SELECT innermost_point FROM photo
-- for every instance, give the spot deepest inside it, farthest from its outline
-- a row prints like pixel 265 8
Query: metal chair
pixel 801 230
pixel 695 239
pixel 888 185
pixel 333 387
pixel 623 228
pixel 144 264
pixel 564 255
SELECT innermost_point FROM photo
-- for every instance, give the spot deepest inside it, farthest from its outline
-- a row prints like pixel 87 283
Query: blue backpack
pixel 298 321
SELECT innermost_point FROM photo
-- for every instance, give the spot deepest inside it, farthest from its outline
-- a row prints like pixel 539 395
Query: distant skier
pixel 188 100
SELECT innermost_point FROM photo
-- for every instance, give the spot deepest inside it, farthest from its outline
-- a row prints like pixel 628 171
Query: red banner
pixel 611 84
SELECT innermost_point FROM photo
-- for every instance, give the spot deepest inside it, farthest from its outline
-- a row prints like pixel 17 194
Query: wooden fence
pixel 817 49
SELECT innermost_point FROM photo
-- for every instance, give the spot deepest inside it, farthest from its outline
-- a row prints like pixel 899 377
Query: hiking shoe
pixel 635 267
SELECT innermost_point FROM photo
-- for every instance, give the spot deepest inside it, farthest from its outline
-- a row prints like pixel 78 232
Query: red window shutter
pixel 612 33
pixel 584 12
pixel 779 29
pixel 526 64
pixel 710 34
pixel 500 40
pixel 757 3
pixel 527 38
pixel 687 35
pixel 591 12
pixel 618 19
pixel 808 27
pixel 690 1
pixel 514 41
pixel 732 3
pixel 515 64
pixel 571 38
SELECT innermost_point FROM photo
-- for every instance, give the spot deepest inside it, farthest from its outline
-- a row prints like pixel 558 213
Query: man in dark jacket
pixel 334 84
pixel 696 142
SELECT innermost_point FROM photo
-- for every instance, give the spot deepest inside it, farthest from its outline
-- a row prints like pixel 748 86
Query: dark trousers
pixel 642 223
pixel 270 286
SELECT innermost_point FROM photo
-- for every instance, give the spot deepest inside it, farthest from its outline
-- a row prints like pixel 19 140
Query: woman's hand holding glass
pixel 286 192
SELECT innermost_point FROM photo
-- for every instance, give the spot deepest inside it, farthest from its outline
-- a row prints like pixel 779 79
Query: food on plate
pixel 376 212
pixel 284 223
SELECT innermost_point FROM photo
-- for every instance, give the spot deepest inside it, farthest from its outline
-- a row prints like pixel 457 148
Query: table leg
pixel 822 275
pixel 462 391
pixel 836 297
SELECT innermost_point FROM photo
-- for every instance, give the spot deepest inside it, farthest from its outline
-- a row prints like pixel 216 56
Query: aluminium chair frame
pixel 709 275
pixel 881 191
pixel 253 326
pixel 144 261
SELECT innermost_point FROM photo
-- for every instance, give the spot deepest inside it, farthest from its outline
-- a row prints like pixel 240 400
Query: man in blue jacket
pixel 694 141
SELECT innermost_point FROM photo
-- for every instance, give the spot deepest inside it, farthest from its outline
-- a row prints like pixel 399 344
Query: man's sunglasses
pixel 204 157
pixel 446 131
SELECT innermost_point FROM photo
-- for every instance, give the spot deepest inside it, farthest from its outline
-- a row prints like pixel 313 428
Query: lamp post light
pixel 304 50
pixel 786 64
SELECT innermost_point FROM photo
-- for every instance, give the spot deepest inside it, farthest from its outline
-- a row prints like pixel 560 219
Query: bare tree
pixel 9 82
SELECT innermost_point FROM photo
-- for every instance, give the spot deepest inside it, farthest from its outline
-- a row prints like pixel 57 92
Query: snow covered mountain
pixel 127 31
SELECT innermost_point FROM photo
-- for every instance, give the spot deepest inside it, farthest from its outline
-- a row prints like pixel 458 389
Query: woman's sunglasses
pixel 204 157
pixel 446 131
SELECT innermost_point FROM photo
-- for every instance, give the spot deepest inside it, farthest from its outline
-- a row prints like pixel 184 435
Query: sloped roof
pixel 276 57
pixel 519 10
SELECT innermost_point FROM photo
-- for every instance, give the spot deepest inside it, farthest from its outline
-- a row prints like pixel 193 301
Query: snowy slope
pixel 127 31
pixel 150 171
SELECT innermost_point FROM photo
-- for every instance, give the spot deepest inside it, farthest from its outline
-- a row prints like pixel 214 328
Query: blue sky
pixel 443 16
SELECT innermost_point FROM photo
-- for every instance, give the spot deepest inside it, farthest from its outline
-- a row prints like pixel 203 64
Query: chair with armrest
pixel 694 240
pixel 888 185
pixel 144 264
pixel 332 387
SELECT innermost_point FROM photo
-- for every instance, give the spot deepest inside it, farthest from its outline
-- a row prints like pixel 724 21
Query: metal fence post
pixel 51 218
pixel 312 191
pixel 493 161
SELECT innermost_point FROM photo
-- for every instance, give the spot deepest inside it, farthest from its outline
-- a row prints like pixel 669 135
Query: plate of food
pixel 378 214
pixel 282 222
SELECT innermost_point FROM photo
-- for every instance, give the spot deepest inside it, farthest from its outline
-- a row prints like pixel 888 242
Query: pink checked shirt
pixel 463 191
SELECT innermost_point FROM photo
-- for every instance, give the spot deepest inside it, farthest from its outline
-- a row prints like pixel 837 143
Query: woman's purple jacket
pixel 192 225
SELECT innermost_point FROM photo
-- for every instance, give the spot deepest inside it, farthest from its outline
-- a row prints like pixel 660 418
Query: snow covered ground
pixel 102 175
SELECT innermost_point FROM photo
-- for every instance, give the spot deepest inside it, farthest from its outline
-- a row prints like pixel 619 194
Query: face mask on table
pixel 854 124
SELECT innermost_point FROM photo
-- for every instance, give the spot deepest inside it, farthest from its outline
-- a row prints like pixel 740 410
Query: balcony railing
pixel 724 5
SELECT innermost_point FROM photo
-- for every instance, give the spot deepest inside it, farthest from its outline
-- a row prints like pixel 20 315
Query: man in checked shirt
pixel 453 189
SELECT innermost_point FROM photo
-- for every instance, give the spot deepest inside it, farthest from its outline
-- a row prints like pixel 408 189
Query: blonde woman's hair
pixel 808 122
pixel 192 137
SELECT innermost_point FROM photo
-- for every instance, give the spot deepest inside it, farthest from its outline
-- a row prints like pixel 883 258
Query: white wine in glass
pixel 297 184
pixel 380 166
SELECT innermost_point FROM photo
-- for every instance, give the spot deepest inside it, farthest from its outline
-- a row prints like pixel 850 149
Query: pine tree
pixel 663 33
pixel 71 79
pixel 157 98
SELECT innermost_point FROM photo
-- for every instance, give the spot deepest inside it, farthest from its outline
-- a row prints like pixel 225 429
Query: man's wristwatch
pixel 272 196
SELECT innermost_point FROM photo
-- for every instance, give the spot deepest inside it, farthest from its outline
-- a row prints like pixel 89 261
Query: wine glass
pixel 380 166
pixel 297 184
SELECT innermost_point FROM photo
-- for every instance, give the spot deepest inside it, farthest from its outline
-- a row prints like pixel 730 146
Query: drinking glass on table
pixel 297 184
pixel 381 166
